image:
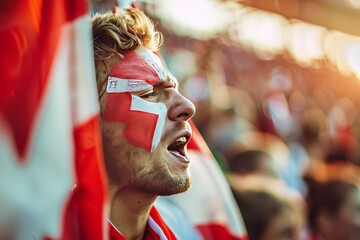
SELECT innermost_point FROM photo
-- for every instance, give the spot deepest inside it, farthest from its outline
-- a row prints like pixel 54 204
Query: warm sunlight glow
pixel 265 34
pixel 263 31
pixel 339 51
pixel 353 58
pixel 354 3
pixel 201 18
pixel 305 42
pixel 333 40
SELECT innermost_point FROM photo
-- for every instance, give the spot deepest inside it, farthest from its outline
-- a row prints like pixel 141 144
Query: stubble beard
pixel 159 183
pixel 179 186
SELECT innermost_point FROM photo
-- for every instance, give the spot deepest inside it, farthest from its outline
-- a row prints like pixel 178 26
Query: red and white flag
pixel 52 179
pixel 209 203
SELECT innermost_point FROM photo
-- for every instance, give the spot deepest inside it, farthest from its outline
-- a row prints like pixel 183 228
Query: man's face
pixel 145 126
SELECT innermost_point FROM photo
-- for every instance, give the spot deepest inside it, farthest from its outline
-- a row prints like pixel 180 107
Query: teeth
pixel 182 139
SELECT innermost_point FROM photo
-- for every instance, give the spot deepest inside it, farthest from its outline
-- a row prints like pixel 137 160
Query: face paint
pixel 143 120
pixel 118 85
pixel 153 61
pixel 141 65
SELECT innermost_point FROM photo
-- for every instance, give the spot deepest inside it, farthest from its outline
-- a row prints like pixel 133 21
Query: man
pixel 144 124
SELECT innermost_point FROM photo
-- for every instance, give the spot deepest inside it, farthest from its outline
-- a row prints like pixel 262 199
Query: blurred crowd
pixel 286 137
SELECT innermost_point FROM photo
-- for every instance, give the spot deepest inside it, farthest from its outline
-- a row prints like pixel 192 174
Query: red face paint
pixel 143 120
pixel 144 65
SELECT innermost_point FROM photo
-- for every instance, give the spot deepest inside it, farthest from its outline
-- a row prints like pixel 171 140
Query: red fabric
pixel 150 233
pixel 197 142
pixel 217 231
pixel 114 234
pixel 157 218
pixel 29 36
pixel 84 216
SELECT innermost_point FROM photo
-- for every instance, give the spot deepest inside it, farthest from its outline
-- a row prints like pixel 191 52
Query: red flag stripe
pixel 85 210
pixel 197 142
pixel 30 38
pixel 43 76
pixel 217 231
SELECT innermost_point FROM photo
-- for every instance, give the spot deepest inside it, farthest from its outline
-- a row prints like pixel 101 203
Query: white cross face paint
pixel 158 109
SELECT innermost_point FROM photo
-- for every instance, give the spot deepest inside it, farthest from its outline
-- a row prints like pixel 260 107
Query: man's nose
pixel 181 109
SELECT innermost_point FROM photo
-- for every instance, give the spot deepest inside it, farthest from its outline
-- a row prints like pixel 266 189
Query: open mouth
pixel 178 147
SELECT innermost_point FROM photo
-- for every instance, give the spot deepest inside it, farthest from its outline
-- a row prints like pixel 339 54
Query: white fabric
pixel 176 220
pixel 81 77
pixel 31 191
pixel 209 200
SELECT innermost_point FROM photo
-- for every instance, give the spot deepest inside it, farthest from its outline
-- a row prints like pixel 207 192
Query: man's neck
pixel 129 211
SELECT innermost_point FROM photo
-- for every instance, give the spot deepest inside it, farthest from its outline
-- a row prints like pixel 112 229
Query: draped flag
pixel 209 203
pixel 52 183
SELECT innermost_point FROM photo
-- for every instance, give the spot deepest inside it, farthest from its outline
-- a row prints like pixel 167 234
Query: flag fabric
pixel 209 204
pixel 175 218
pixel 156 229
pixel 52 179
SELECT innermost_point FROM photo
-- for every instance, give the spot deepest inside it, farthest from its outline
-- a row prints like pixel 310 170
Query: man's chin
pixel 180 188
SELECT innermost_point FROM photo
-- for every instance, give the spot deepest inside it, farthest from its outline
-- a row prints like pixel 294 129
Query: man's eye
pixel 148 94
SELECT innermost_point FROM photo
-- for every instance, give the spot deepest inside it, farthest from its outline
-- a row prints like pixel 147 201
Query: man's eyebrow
pixel 168 82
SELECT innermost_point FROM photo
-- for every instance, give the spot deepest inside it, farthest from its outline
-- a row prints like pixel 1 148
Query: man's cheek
pixel 117 107
pixel 144 121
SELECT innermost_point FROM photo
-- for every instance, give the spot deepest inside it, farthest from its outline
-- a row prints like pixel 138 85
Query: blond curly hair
pixel 117 33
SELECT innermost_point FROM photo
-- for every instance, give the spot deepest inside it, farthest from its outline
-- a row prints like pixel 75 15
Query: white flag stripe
pixel 36 192
pixel 214 203
pixel 232 212
pixel 82 82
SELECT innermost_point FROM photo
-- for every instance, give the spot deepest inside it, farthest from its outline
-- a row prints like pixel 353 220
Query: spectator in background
pixel 334 210
pixel 268 217
pixel 255 161
pixel 257 153
pixel 271 210
pixel 144 124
